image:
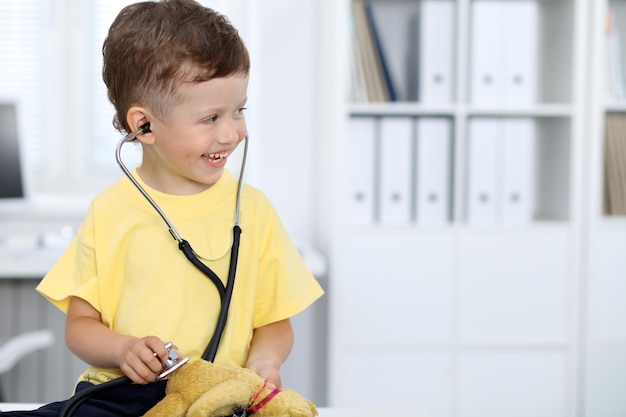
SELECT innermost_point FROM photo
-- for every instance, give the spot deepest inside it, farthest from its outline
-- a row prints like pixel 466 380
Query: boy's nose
pixel 230 132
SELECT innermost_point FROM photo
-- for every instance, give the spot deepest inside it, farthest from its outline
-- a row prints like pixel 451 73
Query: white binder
pixel 433 170
pixel 436 75
pixel 482 171
pixel 487 48
pixel 521 32
pixel 396 137
pixel 361 160
pixel 518 165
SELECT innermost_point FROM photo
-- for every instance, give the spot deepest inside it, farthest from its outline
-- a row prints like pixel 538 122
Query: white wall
pixel 281 113
pixel 283 147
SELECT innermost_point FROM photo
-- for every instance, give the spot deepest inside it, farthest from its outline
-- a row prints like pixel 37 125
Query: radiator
pixel 44 376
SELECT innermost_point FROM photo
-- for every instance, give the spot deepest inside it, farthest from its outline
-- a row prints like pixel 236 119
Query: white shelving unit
pixel 459 319
pixel 605 341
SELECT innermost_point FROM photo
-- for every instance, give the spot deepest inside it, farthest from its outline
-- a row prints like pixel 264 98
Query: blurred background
pixel 452 171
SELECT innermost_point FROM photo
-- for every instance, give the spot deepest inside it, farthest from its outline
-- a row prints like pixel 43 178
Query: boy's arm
pixel 270 347
pixel 89 339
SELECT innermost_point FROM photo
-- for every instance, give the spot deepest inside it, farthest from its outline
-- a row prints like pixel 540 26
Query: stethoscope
pixel 173 362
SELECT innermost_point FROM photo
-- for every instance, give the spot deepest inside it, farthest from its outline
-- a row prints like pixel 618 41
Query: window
pixel 51 54
pixel 25 71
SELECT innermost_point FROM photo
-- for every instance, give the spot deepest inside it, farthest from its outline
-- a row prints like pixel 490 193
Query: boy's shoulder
pixel 253 195
pixel 110 193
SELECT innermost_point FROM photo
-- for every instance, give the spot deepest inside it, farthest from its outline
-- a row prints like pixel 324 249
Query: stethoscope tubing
pixel 70 406
pixel 225 292
pixel 211 350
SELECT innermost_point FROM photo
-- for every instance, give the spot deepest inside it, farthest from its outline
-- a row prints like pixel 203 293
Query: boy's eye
pixel 240 110
pixel 209 119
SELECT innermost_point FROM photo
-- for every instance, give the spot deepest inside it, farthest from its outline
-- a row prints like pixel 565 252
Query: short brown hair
pixel 153 47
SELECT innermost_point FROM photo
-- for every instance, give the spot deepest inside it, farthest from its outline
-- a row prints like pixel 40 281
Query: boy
pixel 125 287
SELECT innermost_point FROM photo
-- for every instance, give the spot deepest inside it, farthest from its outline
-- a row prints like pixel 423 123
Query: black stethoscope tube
pixel 185 247
pixel 70 406
pixel 211 350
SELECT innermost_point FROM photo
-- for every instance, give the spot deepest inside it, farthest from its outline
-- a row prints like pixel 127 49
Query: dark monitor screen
pixel 11 174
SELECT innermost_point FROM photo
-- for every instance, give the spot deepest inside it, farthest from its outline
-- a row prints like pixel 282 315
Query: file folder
pixel 361 160
pixel 396 137
pixel 521 33
pixel 504 48
pixel 518 164
pixel 433 170
pixel 487 49
pixel 482 171
pixel 437 23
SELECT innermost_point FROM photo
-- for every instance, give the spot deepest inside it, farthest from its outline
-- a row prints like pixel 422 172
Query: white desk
pixel 355 412
pixel 323 412
pixel 29 249
pixel 18 406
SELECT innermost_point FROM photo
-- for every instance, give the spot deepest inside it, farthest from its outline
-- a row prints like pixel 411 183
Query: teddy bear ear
pixel 222 399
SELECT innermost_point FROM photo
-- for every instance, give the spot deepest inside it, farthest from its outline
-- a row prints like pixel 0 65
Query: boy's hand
pixel 143 360
pixel 268 371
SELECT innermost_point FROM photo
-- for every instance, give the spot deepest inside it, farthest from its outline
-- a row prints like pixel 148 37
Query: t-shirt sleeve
pixel 286 286
pixel 74 273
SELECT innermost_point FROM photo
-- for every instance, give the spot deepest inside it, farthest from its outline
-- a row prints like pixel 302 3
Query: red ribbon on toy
pixel 253 408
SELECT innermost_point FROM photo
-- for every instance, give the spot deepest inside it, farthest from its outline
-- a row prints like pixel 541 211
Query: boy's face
pixel 191 147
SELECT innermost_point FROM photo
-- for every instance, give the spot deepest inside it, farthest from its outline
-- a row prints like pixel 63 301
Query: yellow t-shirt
pixel 125 263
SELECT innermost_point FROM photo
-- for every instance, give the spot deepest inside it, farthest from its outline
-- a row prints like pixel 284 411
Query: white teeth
pixel 217 155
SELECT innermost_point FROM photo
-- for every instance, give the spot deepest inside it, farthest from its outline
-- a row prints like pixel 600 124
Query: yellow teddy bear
pixel 204 389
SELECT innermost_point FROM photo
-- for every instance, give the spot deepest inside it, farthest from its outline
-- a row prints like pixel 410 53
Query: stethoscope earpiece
pixel 145 128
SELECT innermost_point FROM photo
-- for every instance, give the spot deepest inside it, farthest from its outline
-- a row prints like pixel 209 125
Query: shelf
pixel 419 109
pixel 612 222
pixel 399 109
pixel 537 111
pixel 615 106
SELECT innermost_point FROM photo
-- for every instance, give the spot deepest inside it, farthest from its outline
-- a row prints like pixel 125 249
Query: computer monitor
pixel 13 194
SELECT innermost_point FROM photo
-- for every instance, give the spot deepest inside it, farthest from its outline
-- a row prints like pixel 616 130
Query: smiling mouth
pixel 216 157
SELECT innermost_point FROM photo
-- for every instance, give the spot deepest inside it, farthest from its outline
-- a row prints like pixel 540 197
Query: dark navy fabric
pixel 131 400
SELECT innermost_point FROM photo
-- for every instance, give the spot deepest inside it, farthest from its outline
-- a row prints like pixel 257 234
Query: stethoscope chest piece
pixel 172 362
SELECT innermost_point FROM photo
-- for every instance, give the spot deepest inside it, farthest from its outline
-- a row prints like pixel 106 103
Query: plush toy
pixel 204 389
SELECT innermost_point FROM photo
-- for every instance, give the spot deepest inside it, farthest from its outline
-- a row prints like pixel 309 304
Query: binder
pixel 615 164
pixel 360 165
pixel 482 171
pixel 521 31
pixel 371 66
pixel 396 26
pixel 433 171
pixel 518 166
pixel 487 47
pixel 385 71
pixel 358 88
pixel 504 46
pixel 436 48
pixel 396 136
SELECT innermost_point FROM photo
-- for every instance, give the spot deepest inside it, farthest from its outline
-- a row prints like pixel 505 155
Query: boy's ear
pixel 136 118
